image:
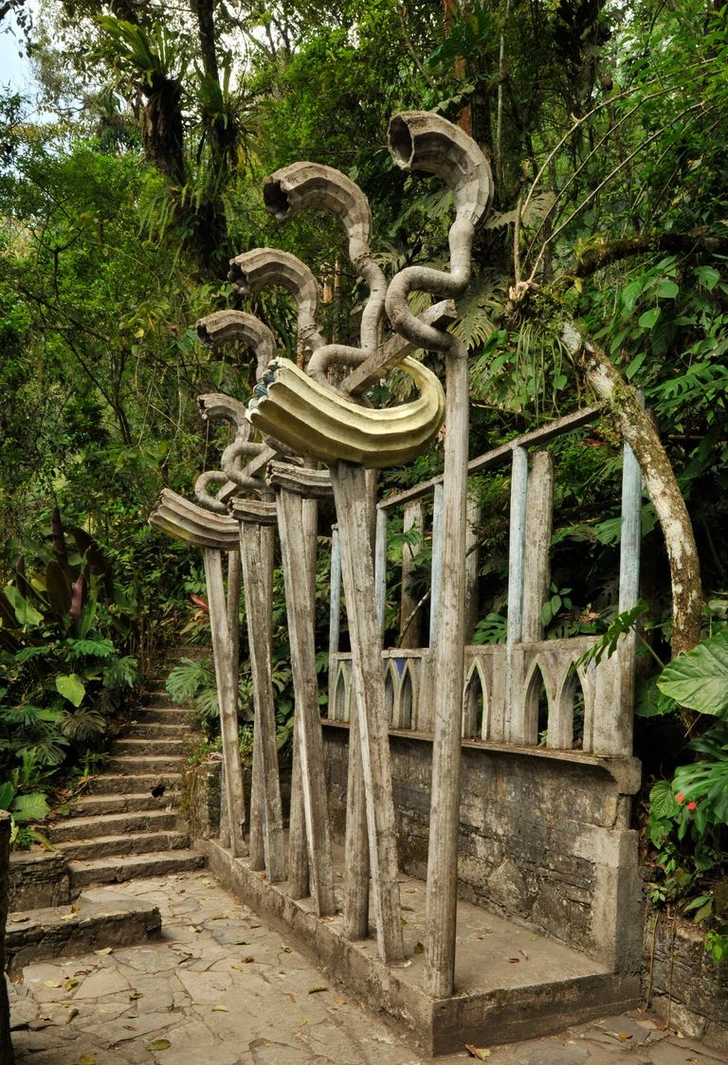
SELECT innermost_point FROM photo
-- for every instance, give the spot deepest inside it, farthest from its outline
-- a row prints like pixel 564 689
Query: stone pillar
pixel 6 1050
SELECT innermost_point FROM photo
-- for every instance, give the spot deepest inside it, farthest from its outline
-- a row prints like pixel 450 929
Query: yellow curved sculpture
pixel 315 421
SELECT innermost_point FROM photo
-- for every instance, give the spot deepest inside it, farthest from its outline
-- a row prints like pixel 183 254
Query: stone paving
pixel 219 988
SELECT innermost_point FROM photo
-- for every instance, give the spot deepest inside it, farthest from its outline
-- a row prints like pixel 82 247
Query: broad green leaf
pixel 662 800
pixel 667 290
pixel 31 807
pixel 159 1044
pixel 71 687
pixel 6 795
pixel 25 613
pixel 698 679
pixel 649 701
pixel 708 276
pixel 648 320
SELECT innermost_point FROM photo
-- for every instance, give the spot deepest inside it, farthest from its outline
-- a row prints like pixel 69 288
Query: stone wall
pixel 6 1050
pixel 543 839
pixel 682 982
pixel 38 879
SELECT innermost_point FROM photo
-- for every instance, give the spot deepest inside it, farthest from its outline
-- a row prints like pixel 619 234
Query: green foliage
pixel 698 679
pixel 64 677
pixel 688 816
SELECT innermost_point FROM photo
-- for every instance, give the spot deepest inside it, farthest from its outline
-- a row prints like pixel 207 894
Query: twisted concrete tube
pixel 268 266
pixel 183 520
pixel 419 140
pixel 223 326
pixel 216 405
pixel 301 186
pixel 313 420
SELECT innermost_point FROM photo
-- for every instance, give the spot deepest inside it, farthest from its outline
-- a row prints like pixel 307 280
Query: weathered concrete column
pixel 6 1049
pixel 358 573
pixel 257 530
pixel 295 489
pixel 472 565
pixel 539 523
pixel 515 700
pixel 226 673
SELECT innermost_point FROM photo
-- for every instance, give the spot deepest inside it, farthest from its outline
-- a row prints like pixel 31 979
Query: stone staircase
pixel 127 825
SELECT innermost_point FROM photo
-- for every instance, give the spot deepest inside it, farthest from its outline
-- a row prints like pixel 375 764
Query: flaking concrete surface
pixel 220 988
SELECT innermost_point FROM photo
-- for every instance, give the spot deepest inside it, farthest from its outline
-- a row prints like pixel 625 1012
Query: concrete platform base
pixel 511 983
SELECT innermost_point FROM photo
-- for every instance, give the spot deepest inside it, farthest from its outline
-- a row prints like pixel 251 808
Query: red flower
pixel 692 805
pixel 680 797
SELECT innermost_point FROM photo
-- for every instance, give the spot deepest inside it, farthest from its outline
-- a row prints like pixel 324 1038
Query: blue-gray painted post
pixel 334 612
pixel 435 581
pixel 629 588
pixel 380 565
pixel 517 544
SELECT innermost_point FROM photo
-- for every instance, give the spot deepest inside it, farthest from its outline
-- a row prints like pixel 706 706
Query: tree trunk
pixel 639 432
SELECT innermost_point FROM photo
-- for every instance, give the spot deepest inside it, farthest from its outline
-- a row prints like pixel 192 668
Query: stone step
pixel 118 870
pixel 122 845
pixel 161 698
pixel 99 805
pixel 122 782
pixel 170 715
pixel 143 765
pixel 91 827
pixel 145 730
pixel 162 747
pixel 103 918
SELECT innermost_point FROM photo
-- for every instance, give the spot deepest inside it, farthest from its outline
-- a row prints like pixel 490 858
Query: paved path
pixel 221 989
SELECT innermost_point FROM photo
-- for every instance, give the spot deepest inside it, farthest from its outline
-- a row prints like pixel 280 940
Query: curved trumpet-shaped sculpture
pixel 182 520
pixel 419 140
pixel 268 266
pixel 315 421
pixel 301 186
pixel 223 326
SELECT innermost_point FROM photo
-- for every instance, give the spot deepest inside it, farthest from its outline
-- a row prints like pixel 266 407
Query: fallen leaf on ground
pixel 339 1001
pixel 513 961
pixel 70 984
pixel 247 960
pixel 291 998
pixel 418 948
pixel 71 1014
pixel 87 1059
pixel 52 983
pixel 317 987
pixel 135 995
pixel 104 950
pixel 477 1052
pixel 623 1036
pixel 159 1044
pixel 220 1009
